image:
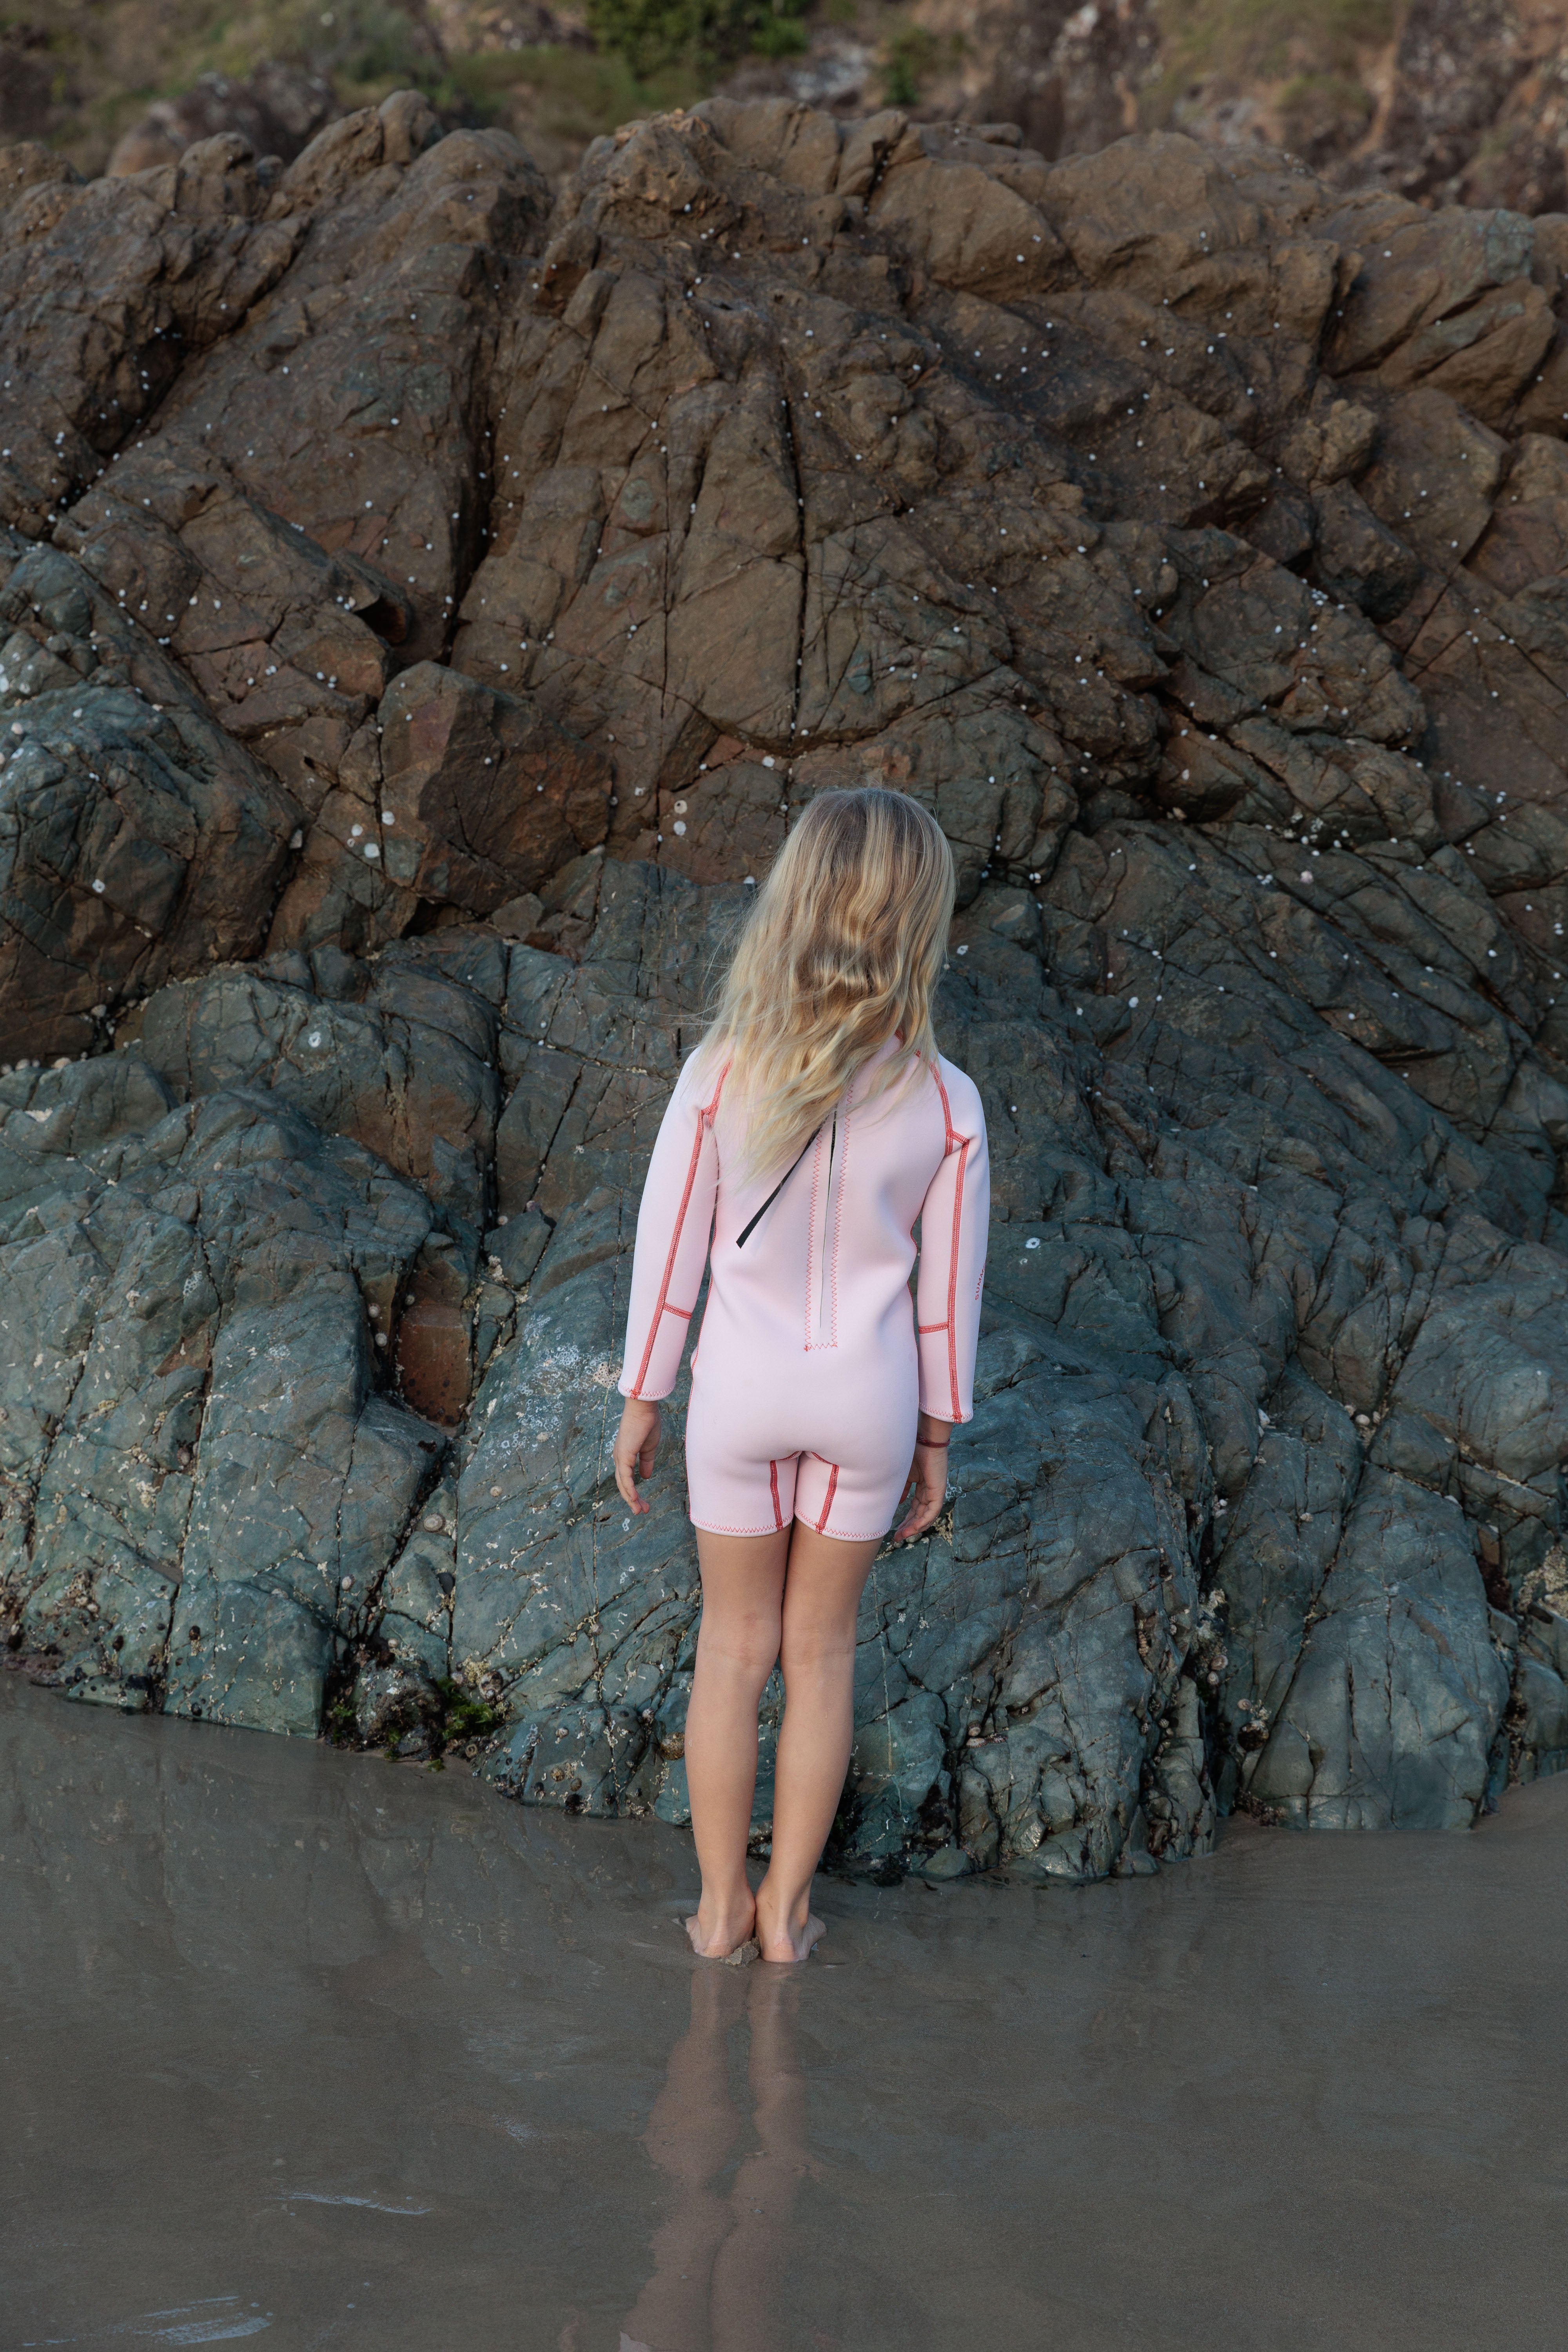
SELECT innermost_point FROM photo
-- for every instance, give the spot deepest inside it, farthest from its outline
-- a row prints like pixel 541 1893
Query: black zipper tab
pixel 744 1237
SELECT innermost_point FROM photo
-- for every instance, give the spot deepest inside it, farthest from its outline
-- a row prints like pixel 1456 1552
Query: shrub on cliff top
pixel 654 34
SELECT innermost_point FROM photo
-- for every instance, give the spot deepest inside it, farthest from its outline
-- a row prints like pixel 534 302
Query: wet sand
pixel 318 2049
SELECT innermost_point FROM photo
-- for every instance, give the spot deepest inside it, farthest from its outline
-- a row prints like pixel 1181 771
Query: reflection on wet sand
pixel 720 2257
pixel 312 2049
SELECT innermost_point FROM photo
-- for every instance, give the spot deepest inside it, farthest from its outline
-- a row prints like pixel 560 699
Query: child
pixel 809 1132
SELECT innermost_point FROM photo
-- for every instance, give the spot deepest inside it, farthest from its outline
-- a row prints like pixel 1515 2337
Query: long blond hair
pixel 842 952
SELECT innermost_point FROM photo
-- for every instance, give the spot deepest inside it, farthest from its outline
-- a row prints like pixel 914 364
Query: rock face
pixel 277 111
pixel 1446 100
pixel 422 610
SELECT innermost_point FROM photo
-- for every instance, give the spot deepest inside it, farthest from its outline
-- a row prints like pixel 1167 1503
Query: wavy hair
pixel 842 952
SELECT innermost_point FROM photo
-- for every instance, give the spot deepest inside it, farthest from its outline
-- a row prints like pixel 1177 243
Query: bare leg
pixel 737 1647
pixel 823 1584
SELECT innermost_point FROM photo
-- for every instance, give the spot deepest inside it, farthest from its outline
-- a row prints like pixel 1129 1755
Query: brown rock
pixel 276 111
pixel 1433 476
pixel 488 798
pixel 152 268
pixel 1328 447
pixel 961 218
pixel 1543 402
pixel 1360 558
pixel 1527 540
pixel 141 839
pixel 1146 212
pixel 434 1361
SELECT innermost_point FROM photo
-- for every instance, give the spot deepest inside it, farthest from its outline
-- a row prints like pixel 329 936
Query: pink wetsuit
pixel 810 1371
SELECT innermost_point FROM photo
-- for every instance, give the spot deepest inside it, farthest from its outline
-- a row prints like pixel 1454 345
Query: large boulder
pixel 473 592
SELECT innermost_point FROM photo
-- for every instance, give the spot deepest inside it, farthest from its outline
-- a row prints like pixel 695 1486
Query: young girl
pixel 813 1128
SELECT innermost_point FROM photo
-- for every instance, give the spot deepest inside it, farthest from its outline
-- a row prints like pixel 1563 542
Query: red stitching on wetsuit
pixel 832 1488
pixel 704 1119
pixel 951 1137
pixel 952 1282
pixel 773 1483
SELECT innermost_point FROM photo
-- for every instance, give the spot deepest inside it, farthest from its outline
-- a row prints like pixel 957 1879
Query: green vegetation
pixel 463 1716
pixel 781 37
pixel 466 1717
pixel 357 44
pixel 101 65
pixel 106 63
pixel 912 56
pixel 653 36
pixel 1264 40
pixel 338 1720
pixel 98 64
pixel 571 93
pixel 652 55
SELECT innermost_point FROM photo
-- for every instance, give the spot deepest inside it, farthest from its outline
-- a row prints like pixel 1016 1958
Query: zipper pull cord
pixel 772 1196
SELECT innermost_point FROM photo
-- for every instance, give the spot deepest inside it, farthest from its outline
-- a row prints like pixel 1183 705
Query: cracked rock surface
pixel 423 609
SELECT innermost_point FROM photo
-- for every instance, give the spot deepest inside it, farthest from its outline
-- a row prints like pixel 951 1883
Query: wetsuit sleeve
pixel 674 1224
pixel 954 1219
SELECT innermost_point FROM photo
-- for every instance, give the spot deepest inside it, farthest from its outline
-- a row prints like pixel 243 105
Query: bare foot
pixel 724 1937
pixel 785 1940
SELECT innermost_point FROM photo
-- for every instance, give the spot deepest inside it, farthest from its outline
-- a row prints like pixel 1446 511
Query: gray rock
pixel 1398 1692
pixel 202 1481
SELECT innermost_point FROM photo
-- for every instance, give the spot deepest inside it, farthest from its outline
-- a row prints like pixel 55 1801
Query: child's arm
pixel 954 1219
pixel 674 1224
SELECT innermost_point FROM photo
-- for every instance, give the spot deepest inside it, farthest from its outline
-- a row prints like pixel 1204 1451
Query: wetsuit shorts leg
pixel 754 1486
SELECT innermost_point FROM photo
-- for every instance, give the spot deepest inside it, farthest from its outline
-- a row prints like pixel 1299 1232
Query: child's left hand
pixel 928 1473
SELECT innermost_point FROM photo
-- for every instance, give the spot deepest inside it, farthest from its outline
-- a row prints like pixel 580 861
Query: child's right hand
pixel 637 1443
